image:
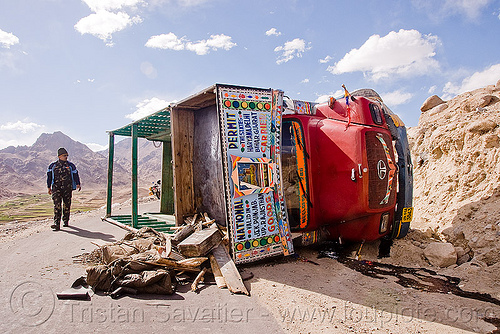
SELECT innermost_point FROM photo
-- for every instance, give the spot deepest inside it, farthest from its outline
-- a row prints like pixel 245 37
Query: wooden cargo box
pixel 227 163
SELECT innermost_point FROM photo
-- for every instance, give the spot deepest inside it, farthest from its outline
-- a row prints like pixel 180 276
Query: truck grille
pixel 382 177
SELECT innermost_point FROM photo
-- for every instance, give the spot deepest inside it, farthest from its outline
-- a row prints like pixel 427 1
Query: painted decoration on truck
pixel 251 125
pixel 251 175
pixel 303 107
pixel 301 174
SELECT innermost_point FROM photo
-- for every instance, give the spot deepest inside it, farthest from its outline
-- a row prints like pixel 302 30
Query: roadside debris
pixel 79 290
pixel 149 261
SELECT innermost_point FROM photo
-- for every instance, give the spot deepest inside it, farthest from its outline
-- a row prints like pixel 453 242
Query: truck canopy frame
pixel 155 127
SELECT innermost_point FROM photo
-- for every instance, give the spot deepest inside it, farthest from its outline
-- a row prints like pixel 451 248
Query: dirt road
pixel 289 295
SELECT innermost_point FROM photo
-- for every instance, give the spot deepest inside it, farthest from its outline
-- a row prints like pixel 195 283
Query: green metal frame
pixel 155 127
pixel 152 127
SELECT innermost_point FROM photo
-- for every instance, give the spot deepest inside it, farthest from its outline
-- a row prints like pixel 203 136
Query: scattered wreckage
pixel 153 262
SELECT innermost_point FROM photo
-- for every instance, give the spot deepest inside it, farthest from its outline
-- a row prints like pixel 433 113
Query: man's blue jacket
pixel 75 178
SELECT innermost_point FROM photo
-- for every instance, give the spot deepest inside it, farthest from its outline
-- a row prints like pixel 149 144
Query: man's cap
pixel 61 151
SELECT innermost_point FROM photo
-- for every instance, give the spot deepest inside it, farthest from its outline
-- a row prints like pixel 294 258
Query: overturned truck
pixel 270 168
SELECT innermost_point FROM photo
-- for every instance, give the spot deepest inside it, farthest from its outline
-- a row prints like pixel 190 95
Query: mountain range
pixel 23 168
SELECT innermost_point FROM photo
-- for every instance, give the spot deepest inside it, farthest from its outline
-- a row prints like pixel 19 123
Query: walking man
pixel 62 179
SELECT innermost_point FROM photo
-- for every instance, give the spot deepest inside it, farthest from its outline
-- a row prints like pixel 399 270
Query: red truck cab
pixel 343 175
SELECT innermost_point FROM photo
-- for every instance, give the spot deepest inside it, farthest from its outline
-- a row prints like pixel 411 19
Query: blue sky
pixel 87 66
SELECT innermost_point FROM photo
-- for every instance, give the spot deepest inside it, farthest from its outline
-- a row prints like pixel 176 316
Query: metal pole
pixel 111 153
pixel 167 182
pixel 135 220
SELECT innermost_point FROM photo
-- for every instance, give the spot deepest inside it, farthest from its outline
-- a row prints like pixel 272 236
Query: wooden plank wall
pixel 208 167
pixel 182 127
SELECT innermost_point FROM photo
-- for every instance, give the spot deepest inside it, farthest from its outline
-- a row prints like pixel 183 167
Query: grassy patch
pixel 35 207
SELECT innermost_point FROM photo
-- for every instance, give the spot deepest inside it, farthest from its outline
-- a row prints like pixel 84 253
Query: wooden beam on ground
pixel 200 242
pixel 229 271
pixel 219 279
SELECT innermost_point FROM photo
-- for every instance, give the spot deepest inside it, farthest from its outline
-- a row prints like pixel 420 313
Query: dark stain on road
pixel 422 279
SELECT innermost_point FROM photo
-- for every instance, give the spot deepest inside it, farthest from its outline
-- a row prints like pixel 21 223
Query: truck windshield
pixel 295 175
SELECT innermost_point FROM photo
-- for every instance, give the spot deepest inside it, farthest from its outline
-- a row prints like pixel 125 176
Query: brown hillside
pixel 456 156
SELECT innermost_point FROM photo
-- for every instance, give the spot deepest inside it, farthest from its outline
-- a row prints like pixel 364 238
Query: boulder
pixel 482 126
pixel 441 254
pixel 477 102
pixel 463 259
pixel 431 102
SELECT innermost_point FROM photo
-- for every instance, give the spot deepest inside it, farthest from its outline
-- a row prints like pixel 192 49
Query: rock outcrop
pixel 456 156
pixel 431 102
pixel 441 254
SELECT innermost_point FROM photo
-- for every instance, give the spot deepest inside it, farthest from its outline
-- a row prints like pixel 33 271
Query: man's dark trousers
pixel 60 197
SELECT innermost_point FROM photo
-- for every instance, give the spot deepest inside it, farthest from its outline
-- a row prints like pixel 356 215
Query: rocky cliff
pixel 456 156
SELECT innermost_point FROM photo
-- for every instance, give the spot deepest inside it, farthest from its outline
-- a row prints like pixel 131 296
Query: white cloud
pixel 396 98
pixel 166 41
pixel 97 5
pixel 273 32
pixel 10 133
pixel 172 42
pixel 290 50
pixel 306 80
pixel 437 10
pixel 432 89
pixel 325 60
pixel 215 42
pixel 148 107
pixel 323 98
pixel 7 39
pixel 104 24
pixel 78 81
pixel 326 97
pixel 96 147
pixel 402 53
pixel 471 9
pixel 20 126
pixel 477 80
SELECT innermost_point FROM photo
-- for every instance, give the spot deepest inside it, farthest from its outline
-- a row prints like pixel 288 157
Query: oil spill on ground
pixel 422 279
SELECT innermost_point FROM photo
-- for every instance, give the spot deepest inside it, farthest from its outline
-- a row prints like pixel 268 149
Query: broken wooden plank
pixel 219 279
pixel 171 264
pixel 198 279
pixel 193 261
pixel 186 230
pixel 200 243
pixel 229 270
